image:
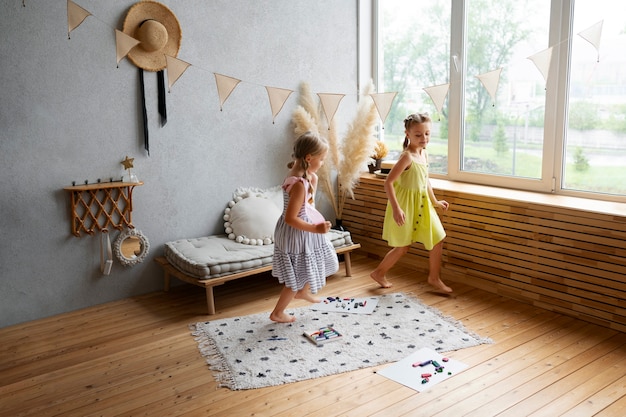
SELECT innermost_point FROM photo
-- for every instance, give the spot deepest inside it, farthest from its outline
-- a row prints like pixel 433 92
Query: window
pixel 531 103
pixel 595 139
pixel 414 52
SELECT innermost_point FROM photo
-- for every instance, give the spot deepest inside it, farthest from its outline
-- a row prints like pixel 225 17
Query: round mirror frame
pixel 143 248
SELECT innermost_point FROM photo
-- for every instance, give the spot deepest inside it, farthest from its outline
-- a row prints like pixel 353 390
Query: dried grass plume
pixel 346 157
pixel 357 146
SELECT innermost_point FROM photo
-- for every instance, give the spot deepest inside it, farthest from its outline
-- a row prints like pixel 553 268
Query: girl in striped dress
pixel 303 257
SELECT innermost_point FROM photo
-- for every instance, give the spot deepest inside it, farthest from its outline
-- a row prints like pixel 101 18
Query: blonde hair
pixel 308 143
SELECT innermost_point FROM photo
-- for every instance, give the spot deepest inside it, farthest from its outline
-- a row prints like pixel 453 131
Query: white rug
pixel 253 352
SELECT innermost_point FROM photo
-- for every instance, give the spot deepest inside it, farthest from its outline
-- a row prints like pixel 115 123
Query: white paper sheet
pixel 405 373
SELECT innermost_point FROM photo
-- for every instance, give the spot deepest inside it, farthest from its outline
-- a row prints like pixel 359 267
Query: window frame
pixel 556 101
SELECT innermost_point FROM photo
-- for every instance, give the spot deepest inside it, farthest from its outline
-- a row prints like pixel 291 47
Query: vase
pixel 339 225
pixel 375 166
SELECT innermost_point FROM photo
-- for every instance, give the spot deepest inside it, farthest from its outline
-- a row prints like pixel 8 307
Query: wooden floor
pixel 137 357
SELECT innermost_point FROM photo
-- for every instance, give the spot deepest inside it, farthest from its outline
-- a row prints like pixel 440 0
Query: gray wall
pixel 68 114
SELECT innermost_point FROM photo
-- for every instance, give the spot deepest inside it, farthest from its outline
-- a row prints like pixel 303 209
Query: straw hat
pixel 158 31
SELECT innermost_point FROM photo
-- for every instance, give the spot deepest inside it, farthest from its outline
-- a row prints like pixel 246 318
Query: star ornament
pixel 128 162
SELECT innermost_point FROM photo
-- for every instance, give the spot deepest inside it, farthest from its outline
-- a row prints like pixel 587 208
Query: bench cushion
pixel 215 256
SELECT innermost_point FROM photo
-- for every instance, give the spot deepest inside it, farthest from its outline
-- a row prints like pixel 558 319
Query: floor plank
pixel 136 357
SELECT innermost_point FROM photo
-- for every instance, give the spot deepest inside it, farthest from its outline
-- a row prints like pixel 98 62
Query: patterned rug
pixel 253 352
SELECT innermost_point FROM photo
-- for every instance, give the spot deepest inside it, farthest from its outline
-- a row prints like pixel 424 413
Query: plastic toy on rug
pixel 355 305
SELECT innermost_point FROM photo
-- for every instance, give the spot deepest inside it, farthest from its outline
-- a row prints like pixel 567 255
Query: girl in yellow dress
pixel 411 214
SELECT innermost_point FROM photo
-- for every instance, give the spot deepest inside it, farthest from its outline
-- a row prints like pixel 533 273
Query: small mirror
pixel 131 247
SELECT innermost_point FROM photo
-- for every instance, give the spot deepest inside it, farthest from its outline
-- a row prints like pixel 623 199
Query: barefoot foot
pixel 282 318
pixel 305 295
pixel 439 285
pixel 382 281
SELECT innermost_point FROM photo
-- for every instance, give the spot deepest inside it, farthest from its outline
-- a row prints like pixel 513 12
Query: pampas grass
pixel 303 121
pixel 346 157
pixel 307 118
pixel 325 172
pixel 357 147
pixel 307 102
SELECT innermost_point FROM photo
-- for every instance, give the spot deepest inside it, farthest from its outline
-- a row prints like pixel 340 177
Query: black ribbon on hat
pixel 146 142
pixel 162 105
pixel 161 89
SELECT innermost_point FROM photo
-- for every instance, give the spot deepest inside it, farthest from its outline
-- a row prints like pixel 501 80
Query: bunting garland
pixel 123 45
pixel 490 81
pixel 75 16
pixel 383 102
pixel 175 68
pixel 329 101
pixel 225 86
pixel 542 61
pixel 278 97
pixel 438 94
pixel 592 35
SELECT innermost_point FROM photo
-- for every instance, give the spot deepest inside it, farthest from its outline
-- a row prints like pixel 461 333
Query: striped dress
pixel 302 257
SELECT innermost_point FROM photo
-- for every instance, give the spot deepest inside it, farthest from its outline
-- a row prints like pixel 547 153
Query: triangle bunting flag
pixel 438 94
pixel 225 86
pixel 123 45
pixel 278 97
pixel 75 16
pixel 330 103
pixel 175 68
pixel 383 102
pixel 490 81
pixel 592 35
pixel 542 60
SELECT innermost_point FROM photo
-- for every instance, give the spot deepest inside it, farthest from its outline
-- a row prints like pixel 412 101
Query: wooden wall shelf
pixel 96 207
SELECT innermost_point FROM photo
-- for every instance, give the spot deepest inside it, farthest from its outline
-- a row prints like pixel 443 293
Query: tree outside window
pixel 570 127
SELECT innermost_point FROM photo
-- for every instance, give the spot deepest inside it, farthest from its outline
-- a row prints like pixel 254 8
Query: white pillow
pixel 251 217
pixel 274 193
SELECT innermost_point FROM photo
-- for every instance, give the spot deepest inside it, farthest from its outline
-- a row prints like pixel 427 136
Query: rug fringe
pixel 222 373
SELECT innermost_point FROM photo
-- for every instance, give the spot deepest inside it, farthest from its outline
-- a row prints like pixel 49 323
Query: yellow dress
pixel 422 224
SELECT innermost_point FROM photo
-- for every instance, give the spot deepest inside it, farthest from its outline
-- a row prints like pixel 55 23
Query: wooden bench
pixel 208 284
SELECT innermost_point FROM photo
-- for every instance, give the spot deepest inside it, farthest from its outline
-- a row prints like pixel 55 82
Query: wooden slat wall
pixel 567 260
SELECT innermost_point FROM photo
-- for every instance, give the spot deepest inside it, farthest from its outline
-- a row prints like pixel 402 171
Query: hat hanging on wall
pixel 157 29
